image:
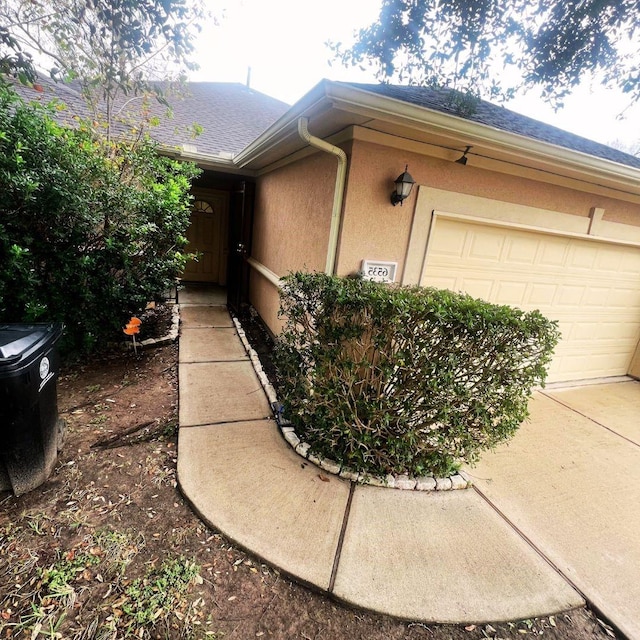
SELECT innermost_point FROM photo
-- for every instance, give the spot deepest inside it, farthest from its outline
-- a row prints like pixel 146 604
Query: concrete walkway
pixel 431 557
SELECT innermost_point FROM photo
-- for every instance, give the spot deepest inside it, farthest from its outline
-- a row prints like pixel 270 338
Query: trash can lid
pixel 18 339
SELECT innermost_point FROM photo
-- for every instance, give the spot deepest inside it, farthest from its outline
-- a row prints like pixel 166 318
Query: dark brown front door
pixel 240 227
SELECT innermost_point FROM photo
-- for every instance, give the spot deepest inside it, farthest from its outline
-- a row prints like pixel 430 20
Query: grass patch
pixel 41 597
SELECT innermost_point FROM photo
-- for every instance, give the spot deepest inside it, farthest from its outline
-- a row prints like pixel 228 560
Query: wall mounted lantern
pixel 404 183
pixel 463 158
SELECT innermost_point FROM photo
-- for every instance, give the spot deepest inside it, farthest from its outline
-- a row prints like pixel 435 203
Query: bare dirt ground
pixel 107 548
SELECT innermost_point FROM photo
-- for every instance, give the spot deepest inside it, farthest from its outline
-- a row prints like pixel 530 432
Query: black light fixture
pixel 463 158
pixel 404 183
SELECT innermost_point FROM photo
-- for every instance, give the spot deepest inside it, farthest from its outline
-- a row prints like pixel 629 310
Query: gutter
pixel 362 102
pixel 338 194
pixel 212 161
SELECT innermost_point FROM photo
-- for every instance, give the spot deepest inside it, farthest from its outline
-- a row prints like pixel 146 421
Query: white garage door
pixel 592 288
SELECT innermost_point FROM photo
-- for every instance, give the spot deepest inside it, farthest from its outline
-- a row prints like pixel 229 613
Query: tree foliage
pixel 113 48
pixel 478 45
pixel 14 61
pixel 403 379
pixel 90 230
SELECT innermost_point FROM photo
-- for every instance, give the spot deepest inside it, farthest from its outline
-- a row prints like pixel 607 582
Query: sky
pixel 283 42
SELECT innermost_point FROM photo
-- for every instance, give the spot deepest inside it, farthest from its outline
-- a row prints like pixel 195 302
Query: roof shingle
pixel 231 114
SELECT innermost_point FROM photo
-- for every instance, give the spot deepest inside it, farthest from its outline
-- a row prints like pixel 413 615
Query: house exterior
pixel 533 216
pixel 536 218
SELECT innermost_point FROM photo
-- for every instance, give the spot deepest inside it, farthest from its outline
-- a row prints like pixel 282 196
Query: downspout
pixel 338 194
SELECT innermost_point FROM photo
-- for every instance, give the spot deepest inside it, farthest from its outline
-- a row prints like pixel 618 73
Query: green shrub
pixel 405 380
pixel 90 230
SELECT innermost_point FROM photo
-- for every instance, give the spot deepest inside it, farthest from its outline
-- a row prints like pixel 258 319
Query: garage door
pixel 591 287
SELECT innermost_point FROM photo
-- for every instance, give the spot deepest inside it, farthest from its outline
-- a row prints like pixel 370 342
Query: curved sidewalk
pixel 446 557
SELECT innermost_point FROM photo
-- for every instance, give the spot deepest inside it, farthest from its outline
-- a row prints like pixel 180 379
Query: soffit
pixel 334 107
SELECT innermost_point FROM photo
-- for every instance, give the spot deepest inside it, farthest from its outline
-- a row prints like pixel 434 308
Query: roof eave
pixel 209 161
pixel 283 127
pixel 345 97
pixel 349 98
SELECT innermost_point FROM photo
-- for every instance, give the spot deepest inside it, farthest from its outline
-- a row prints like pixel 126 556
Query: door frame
pixel 240 241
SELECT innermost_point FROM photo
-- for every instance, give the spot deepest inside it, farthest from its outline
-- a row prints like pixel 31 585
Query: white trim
pixel 501 213
pixel 269 275
pixel 473 133
pixel 506 224
pixel 328 98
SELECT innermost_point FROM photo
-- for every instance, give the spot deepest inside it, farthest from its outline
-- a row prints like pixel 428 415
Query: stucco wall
pixel 293 210
pixel 374 229
pixel 291 225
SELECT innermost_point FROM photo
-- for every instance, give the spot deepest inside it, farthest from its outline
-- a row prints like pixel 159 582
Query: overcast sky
pixel 283 41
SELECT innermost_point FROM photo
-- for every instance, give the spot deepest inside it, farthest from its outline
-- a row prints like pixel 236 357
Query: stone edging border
pixel 173 331
pixel 405 482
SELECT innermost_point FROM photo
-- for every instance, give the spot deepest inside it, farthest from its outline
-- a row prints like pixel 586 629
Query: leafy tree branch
pixel 112 48
pixel 494 47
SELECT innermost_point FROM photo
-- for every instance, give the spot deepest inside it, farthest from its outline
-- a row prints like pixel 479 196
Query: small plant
pixel 159 594
pixel 405 379
pixel 118 549
pixel 58 578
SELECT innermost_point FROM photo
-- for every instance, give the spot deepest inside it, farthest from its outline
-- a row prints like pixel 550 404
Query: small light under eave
pixel 463 158
pixel 403 185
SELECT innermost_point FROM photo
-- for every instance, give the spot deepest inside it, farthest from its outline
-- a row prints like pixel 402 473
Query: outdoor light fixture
pixel 404 183
pixel 463 158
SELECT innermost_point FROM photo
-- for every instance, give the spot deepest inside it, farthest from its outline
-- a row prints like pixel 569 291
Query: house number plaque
pixel 379 271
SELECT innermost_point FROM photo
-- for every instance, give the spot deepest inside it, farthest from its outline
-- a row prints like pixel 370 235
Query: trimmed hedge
pixel 389 379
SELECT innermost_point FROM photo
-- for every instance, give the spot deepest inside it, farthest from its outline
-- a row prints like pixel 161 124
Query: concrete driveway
pixel 570 483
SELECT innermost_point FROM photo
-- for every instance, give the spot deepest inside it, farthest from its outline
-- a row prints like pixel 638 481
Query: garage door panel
pixel 522 250
pixel 476 287
pixel 623 298
pixel 486 247
pixel 591 288
pixel 451 242
pixel 506 292
pixel 542 294
pixel 553 253
pixel 570 295
pixel 582 258
pixel 596 296
pixel 610 261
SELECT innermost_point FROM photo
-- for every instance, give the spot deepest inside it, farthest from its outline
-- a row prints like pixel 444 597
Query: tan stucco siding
pixel 293 214
pixel 264 297
pixel 374 229
pixel 371 227
pixel 291 225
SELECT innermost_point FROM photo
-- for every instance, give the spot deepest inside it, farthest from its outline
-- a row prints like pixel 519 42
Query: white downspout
pixel 338 194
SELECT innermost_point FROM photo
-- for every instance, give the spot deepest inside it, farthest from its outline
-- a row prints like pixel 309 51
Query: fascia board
pixel 204 160
pixel 284 126
pixel 390 109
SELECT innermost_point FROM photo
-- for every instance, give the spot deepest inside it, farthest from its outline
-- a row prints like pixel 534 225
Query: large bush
pixel 405 380
pixel 89 229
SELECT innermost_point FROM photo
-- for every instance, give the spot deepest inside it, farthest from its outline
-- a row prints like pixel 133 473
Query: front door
pixel 207 237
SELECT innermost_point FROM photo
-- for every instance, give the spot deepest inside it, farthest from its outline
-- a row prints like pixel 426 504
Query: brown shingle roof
pixel 231 115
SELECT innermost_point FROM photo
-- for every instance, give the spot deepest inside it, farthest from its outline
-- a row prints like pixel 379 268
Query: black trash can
pixel 30 428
